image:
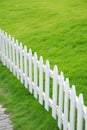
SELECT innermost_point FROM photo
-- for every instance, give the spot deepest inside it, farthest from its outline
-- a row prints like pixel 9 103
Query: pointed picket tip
pixel 6 34
pixel 30 51
pixel 55 70
pixel 9 37
pixel 25 48
pixel 41 59
pixel 17 42
pixel 47 64
pixel 67 82
pixel 21 44
pixel 13 39
pixel 62 76
pixel 73 90
pixel 35 55
pixel 81 99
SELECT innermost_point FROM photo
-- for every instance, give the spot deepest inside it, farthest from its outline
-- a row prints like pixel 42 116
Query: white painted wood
pixel 25 65
pixel 66 104
pixel 7 51
pixel 35 75
pixel 72 108
pixel 21 62
pixel 41 81
pixel 14 62
pixel 80 113
pixel 6 48
pixel 3 47
pixel 17 59
pixel 55 91
pixel 47 80
pixel 61 88
pixel 10 53
pixel 30 71
pixel 86 120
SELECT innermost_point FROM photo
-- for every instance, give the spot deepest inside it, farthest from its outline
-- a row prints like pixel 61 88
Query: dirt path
pixel 5 123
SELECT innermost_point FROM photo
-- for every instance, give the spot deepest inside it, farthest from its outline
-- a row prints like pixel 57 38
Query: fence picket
pixel 13 43
pixel 41 81
pixel 47 80
pixel 30 71
pixel 61 83
pixel 25 65
pixel 35 75
pixel 3 47
pixel 55 73
pixel 66 104
pixel 86 120
pixel 72 108
pixel 21 62
pixel 10 53
pixel 17 59
pixel 79 114
pixel 6 48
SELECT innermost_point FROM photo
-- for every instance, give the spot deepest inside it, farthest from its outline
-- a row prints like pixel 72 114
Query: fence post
pixel 61 89
pixel 35 75
pixel 66 104
pixel 79 113
pixel 25 65
pixel 55 91
pixel 72 108
pixel 41 81
pixel 47 79
pixel 21 62
pixel 30 71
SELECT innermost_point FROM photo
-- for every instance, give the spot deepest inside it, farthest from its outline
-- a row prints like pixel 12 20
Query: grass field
pixel 55 29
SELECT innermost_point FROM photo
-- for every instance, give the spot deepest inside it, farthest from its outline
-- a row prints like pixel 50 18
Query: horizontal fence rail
pixel 47 85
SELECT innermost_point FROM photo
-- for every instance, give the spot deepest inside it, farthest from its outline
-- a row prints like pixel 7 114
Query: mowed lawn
pixel 55 29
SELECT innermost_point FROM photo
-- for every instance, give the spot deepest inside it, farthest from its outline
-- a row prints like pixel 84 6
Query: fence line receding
pixel 47 85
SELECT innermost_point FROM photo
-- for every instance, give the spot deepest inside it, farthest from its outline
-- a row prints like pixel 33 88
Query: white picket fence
pixel 47 85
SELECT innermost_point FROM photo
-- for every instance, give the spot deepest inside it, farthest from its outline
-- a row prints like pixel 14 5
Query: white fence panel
pixel 41 81
pixel 80 113
pixel 17 59
pixel 61 84
pixel 25 65
pixel 72 108
pixel 55 92
pixel 30 71
pixel 47 80
pixel 35 75
pixel 21 62
pixel 66 99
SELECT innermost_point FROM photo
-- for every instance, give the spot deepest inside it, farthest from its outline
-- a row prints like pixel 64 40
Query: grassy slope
pixel 55 29
pixel 26 112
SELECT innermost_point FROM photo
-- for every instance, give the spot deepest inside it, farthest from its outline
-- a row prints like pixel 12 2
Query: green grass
pixel 55 29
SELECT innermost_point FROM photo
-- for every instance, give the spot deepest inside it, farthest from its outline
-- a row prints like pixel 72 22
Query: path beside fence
pixel 48 86
pixel 5 123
